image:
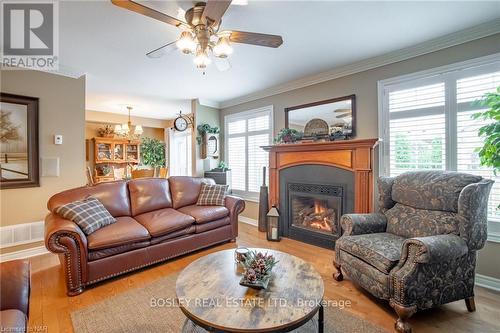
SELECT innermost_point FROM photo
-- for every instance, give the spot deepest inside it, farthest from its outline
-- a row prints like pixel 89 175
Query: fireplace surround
pixel 314 183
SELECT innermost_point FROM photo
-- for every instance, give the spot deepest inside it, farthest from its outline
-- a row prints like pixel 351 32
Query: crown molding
pixel 436 44
pixel 209 103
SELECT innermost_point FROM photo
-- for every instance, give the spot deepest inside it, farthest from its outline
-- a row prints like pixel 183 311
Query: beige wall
pixel 204 115
pixel 61 111
pixel 364 85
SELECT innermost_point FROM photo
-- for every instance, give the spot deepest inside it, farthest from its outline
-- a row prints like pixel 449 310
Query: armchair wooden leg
pixel 403 312
pixel 470 304
pixel 338 274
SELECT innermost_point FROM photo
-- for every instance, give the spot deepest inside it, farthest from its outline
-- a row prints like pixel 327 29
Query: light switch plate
pixel 50 166
pixel 58 139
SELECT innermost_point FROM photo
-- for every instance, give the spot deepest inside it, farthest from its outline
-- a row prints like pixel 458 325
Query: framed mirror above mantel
pixel 324 118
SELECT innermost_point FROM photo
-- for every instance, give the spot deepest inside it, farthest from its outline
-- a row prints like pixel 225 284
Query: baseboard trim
pixel 248 220
pixel 23 254
pixel 488 282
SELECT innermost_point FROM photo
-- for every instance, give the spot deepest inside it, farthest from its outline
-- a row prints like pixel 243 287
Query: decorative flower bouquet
pixel 258 268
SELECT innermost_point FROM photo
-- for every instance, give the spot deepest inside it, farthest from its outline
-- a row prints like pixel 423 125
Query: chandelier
pixel 125 129
pixel 202 43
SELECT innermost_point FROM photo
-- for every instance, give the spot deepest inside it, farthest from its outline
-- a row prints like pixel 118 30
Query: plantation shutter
pixel 245 133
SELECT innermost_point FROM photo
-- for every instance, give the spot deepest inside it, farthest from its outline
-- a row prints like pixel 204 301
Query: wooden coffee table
pixel 209 294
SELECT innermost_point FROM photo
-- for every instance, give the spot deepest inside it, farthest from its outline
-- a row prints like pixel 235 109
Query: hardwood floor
pixel 50 308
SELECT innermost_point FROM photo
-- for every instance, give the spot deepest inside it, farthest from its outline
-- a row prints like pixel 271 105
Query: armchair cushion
pixel 409 222
pixel 359 224
pixel 433 190
pixel 380 250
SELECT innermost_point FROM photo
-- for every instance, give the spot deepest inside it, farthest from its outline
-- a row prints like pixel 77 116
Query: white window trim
pixel 249 196
pixel 457 70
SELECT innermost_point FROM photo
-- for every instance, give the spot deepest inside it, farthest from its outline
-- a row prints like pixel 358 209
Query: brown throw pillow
pixel 89 214
pixel 212 195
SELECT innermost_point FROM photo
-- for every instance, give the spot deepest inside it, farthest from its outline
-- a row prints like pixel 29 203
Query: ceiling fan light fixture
pixel 201 60
pixel 223 48
pixel 186 43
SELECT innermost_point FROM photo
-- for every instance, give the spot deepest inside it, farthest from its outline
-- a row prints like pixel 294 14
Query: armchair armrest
pixel 433 270
pixel 235 206
pixel 65 237
pixel 435 249
pixel 359 224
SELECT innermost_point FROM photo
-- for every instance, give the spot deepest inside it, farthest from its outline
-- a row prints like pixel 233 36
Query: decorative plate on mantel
pixel 316 127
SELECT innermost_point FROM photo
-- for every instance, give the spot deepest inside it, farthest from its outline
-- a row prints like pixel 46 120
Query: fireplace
pixel 315 183
pixel 315 207
pixel 311 211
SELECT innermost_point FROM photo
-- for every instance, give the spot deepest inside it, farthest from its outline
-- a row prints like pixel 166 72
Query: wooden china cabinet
pixel 113 153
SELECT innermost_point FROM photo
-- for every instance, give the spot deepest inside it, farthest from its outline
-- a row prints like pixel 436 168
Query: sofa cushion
pixel 89 214
pixel 199 228
pixel 175 234
pixel 381 250
pixel 125 230
pixel 212 195
pixel 111 251
pixel 409 222
pixel 148 194
pixel 113 195
pixel 433 190
pixel 185 190
pixel 164 221
pixel 12 320
pixel 204 214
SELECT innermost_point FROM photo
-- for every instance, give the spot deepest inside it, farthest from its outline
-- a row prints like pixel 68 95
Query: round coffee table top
pixel 210 295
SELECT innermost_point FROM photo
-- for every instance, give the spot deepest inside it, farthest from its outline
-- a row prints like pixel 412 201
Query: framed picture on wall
pixel 18 141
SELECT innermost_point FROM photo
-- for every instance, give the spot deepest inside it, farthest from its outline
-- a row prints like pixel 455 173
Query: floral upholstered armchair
pixel 419 251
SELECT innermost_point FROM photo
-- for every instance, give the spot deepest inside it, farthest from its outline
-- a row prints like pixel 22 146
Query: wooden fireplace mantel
pixel 352 155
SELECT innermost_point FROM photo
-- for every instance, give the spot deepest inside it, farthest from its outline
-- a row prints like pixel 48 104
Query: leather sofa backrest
pixel 431 190
pixel 185 190
pixel 113 195
pixel 148 194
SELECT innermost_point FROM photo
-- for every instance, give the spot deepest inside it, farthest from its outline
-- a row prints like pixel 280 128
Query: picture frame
pixel 19 137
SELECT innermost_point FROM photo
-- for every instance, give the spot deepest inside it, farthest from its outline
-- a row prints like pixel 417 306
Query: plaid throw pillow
pixel 89 214
pixel 212 195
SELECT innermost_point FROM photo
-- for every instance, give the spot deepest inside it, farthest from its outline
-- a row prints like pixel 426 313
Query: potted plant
pixel 258 267
pixel 152 152
pixel 288 135
pixel 222 167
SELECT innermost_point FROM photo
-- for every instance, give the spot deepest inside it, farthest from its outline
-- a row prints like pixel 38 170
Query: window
pixel 245 133
pixel 425 120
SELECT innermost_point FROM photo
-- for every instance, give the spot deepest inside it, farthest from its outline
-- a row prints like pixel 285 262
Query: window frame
pixel 245 115
pixel 448 74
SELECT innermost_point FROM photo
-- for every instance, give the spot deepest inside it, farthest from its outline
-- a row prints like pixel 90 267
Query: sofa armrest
pixel 235 206
pixel 65 237
pixel 15 285
pixel 432 270
pixel 359 224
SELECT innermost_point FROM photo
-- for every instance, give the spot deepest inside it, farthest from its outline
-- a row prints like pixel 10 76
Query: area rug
pixel 146 309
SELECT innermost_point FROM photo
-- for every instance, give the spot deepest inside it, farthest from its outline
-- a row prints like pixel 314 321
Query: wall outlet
pixel 58 139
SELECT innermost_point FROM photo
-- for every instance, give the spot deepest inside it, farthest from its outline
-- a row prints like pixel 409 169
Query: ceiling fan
pixel 201 36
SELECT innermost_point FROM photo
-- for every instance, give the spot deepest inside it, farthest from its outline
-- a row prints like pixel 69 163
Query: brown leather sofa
pixel 157 219
pixel 15 295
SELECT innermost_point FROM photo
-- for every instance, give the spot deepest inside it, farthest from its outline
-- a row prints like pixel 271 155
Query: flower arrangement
pixel 106 131
pixel 288 135
pixel 258 267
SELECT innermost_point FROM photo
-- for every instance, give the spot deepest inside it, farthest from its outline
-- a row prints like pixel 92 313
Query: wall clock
pixel 182 122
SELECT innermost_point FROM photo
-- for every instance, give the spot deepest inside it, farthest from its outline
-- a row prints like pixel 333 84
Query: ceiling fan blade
pixel 214 9
pixel 255 38
pixel 344 115
pixel 222 64
pixel 162 50
pixel 149 12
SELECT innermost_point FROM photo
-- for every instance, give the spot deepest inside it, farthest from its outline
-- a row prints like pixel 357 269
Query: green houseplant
pixel 152 152
pixel 489 153
pixel 288 135
pixel 205 128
